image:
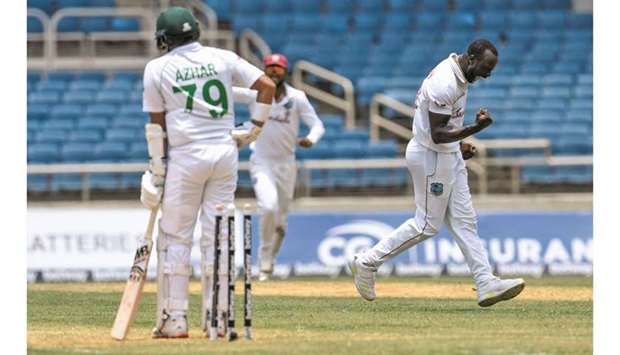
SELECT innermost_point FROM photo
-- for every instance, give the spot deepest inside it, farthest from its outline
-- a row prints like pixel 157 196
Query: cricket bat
pixel 133 290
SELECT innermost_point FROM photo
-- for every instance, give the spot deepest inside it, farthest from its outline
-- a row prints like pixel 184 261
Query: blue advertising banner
pixel 534 238
pixel 320 243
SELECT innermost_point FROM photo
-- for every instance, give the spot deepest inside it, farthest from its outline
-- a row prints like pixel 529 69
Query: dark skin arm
pixel 266 90
pixel 442 133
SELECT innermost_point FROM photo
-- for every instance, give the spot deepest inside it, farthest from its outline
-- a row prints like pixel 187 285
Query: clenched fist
pixel 483 118
pixel 468 150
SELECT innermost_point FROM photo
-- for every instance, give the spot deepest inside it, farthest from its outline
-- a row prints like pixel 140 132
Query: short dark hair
pixel 477 47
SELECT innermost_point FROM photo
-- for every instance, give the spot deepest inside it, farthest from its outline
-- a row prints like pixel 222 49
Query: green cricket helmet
pixel 176 26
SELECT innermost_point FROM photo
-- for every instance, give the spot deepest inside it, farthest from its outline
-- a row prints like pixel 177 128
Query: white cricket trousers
pixel 200 175
pixel 441 196
pixel 274 187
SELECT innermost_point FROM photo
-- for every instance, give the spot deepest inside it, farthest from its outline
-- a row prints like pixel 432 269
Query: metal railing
pixel 51 38
pixel 250 39
pixel 346 104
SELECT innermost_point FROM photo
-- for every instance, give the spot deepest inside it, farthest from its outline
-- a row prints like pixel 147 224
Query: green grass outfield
pixel 324 316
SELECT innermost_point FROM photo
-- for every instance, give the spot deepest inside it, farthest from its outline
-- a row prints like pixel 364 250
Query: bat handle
pixel 151 225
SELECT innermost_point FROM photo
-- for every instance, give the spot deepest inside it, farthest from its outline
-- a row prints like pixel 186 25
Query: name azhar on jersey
pixel 197 72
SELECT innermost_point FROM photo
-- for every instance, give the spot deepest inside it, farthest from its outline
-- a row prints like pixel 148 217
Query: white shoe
pixel 364 278
pixel 497 290
pixel 263 276
pixel 174 327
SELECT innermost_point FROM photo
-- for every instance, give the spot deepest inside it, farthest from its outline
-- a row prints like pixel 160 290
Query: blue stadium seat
pixel 335 24
pixel 45 97
pixel 557 79
pixel 522 19
pixel 435 5
pixel 493 20
pixel 71 3
pixel 305 23
pixel 51 136
pixel 429 21
pixel 307 7
pixel 69 24
pixel 567 68
pixel 562 92
pixel 44 5
pixel 580 21
pixel 43 153
pixel 551 19
pixel 122 135
pixel 240 23
pixel 85 84
pixel 85 136
pixel 61 76
pixel 91 76
pixel 468 5
pixel 583 91
pixel 34 25
pixel 102 3
pixel 497 4
pixel 51 85
pixel 553 103
pixel 129 122
pixel 38 183
pixel 77 152
pixel 462 21
pixel 58 124
pixel 95 24
pixel 101 110
pixel 65 111
pixel 370 7
pixel 579 115
pixel 277 6
pixel 138 151
pixel 112 97
pixel 124 24
pixel 382 149
pixel 556 4
pixel 339 6
pixel 119 84
pixel 536 174
pixel 248 7
pixel 37 112
pixel 526 4
pixel 395 24
pixel 367 23
pixel 79 97
pixel 581 104
pixel 547 116
pixel 100 123
pixel 110 151
pixel 402 5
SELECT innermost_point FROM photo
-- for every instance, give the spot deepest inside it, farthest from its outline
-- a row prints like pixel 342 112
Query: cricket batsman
pixel 435 158
pixel 272 163
pixel 193 153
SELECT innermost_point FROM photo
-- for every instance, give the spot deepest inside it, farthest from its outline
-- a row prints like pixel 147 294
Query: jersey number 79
pixel 221 100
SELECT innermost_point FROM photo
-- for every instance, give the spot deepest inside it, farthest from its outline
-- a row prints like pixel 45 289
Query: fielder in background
pixel 272 163
pixel 193 153
pixel 435 158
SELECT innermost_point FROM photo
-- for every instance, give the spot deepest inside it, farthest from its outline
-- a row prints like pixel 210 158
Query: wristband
pixel 261 112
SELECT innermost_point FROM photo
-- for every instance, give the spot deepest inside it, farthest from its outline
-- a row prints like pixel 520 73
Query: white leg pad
pixel 173 272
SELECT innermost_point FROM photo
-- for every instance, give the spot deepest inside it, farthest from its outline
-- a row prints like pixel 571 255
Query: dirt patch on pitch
pixel 339 289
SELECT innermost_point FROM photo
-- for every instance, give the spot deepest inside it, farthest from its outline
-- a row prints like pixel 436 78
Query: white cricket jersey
pixel 278 138
pixel 444 91
pixel 193 85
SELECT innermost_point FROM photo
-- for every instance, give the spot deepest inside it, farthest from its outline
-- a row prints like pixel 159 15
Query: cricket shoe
pixel 364 278
pixel 173 327
pixel 264 276
pixel 496 290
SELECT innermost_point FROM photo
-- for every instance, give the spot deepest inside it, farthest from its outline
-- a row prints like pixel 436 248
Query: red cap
pixel 276 59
